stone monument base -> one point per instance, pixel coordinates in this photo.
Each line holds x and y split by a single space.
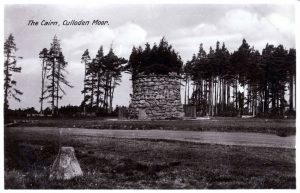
156 97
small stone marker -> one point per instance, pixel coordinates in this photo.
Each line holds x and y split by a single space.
65 166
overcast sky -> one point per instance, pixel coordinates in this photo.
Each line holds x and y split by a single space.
184 26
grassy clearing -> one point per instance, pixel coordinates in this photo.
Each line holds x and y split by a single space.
126 163
279 127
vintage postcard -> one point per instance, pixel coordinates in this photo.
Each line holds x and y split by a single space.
149 96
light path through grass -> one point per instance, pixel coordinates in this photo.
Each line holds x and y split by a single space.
224 138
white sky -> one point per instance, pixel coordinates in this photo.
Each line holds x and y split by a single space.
184 26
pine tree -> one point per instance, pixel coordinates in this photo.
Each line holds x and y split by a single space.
43 55
112 68
85 59
99 63
10 67
241 62
56 76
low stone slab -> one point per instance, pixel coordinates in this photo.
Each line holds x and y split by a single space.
65 166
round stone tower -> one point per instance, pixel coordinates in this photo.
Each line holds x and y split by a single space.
156 97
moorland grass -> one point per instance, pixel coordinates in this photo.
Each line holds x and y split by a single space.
110 163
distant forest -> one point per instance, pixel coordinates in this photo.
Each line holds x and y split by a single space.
245 82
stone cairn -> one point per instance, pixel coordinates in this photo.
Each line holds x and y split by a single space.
156 97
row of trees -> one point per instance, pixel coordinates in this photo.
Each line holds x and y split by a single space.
242 82
102 75
53 74
223 83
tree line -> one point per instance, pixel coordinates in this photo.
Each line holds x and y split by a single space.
102 75
245 82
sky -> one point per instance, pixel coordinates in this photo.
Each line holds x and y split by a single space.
184 26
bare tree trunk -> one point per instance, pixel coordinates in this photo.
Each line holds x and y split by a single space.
228 94
98 90
210 98
110 97
206 98
92 91
188 94
84 88
266 99
220 96
185 89
53 88
200 95
294 81
253 99
194 92
106 93
291 87
248 99
6 84
216 96
43 84
223 95
57 88
236 94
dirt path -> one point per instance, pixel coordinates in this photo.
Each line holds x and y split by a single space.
224 138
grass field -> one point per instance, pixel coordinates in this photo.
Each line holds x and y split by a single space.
110 163
281 127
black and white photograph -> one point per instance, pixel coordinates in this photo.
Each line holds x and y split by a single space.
149 96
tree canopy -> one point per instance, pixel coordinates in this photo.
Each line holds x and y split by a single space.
159 59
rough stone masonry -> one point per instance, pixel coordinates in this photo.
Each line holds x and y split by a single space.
156 97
